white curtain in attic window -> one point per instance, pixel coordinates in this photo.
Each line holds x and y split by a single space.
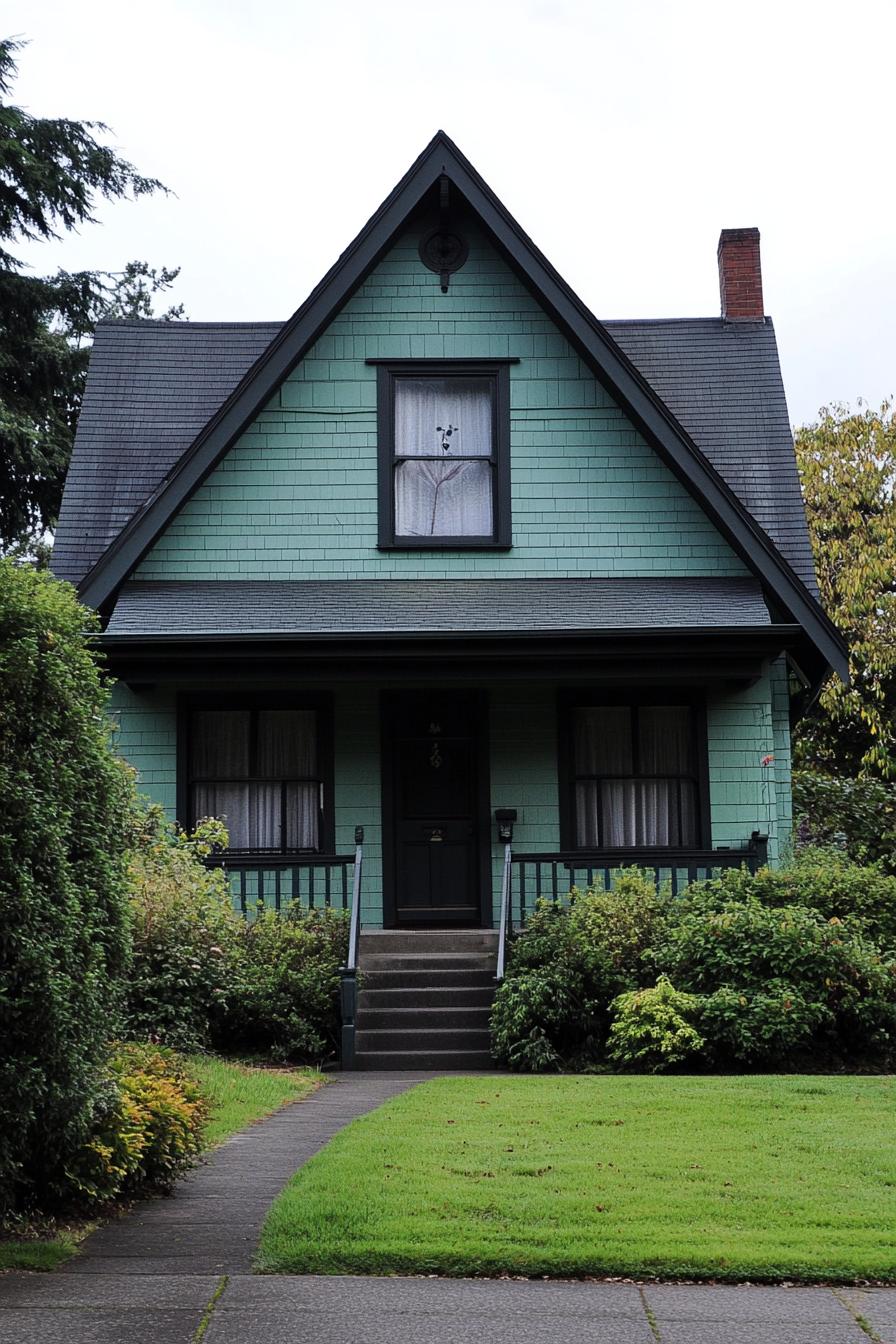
452 495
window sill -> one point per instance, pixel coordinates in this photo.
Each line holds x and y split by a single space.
444 544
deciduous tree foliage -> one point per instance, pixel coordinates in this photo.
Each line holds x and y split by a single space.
52 170
847 462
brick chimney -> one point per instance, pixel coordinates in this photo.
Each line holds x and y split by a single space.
740 275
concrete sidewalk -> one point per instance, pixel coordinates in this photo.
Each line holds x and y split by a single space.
159 1274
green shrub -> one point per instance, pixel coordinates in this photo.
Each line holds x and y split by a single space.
820 879
147 1130
858 816
653 1029
539 1020
566 968
63 910
184 932
285 989
780 981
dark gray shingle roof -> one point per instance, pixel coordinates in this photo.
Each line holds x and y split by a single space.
722 382
153 386
421 606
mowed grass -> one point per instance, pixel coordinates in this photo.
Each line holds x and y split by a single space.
763 1178
243 1093
239 1095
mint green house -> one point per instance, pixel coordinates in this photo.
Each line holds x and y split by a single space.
446 559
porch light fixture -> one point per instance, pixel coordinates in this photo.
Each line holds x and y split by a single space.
505 817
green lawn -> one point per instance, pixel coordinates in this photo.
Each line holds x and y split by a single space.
243 1093
763 1178
239 1094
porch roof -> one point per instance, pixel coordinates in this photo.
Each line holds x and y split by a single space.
307 609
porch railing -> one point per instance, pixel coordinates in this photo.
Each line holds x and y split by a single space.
349 981
529 878
314 881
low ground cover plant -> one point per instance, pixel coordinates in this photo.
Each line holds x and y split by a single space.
786 968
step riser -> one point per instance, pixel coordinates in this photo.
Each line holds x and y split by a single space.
435 996
405 1042
439 943
427 979
426 961
449 1061
410 1020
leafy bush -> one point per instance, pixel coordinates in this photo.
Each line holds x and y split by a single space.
566 968
820 879
286 983
780 980
147 1128
184 932
63 910
857 816
653 1029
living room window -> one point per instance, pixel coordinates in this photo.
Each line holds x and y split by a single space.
260 769
444 462
634 774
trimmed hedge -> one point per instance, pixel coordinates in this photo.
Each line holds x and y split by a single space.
63 910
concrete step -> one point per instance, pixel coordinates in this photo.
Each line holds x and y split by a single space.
426 961
421 977
426 996
422 1061
414 1020
412 1039
376 941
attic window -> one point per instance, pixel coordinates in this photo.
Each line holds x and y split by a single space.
443 456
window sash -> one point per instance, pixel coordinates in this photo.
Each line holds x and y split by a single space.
620 799
267 807
428 504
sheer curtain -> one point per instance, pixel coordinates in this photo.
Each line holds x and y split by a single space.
287 748
253 808
448 419
638 811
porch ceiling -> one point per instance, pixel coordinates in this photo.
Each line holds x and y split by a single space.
358 609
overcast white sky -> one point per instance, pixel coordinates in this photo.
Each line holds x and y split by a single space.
622 134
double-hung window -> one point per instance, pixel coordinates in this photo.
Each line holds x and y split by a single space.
635 774
260 769
443 430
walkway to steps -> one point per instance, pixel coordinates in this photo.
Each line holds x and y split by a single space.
176 1270
425 999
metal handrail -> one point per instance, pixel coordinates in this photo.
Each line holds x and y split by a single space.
354 928
505 912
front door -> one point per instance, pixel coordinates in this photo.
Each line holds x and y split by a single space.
433 803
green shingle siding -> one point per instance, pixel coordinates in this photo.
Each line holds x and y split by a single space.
742 729
296 496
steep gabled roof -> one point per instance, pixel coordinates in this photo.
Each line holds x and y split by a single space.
153 386
599 350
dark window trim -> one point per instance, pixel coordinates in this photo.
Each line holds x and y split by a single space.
581 697
386 373
320 703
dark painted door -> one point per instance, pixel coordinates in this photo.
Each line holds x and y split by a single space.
434 750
